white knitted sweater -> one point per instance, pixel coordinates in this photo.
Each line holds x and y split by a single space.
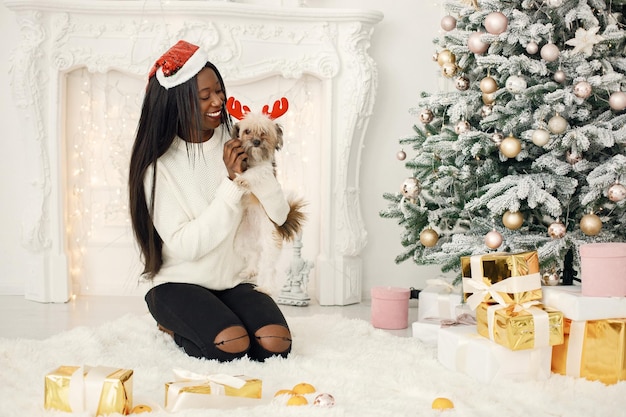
197 211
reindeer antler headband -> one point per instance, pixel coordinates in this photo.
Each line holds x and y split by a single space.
238 111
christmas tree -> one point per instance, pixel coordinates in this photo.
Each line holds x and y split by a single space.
525 150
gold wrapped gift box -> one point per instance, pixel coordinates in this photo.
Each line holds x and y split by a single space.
115 386
514 327
188 394
594 349
497 267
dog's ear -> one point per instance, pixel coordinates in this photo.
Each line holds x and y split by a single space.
279 137
234 134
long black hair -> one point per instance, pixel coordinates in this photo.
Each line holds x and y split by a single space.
165 114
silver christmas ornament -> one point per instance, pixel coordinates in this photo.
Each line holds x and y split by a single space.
461 127
516 84
540 137
496 23
532 48
550 52
555 3
411 188
616 192
426 116
557 124
559 76
324 400
550 278
582 89
462 83
497 138
573 157
486 110
557 230
401 155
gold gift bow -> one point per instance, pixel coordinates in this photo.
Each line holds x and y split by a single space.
477 285
215 381
541 321
85 390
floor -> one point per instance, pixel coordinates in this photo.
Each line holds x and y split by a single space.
21 318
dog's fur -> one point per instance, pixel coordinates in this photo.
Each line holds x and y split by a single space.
258 239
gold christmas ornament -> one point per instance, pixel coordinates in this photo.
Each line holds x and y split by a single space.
590 224
493 239
616 192
449 69
510 146
489 98
445 57
488 85
426 116
557 124
540 137
557 230
429 238
512 220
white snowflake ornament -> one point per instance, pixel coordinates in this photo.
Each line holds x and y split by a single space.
585 40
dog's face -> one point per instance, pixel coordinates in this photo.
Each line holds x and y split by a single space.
261 137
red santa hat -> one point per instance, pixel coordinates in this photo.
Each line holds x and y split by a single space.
179 64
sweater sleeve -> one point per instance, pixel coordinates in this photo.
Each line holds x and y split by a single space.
188 235
264 185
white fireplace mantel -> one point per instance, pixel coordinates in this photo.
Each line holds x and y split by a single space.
246 42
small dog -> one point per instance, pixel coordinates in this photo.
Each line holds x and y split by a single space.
259 240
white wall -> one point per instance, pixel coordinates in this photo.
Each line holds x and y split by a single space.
401 47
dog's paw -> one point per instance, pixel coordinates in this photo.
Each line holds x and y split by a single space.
248 274
242 182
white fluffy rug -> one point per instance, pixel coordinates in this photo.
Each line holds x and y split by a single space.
369 372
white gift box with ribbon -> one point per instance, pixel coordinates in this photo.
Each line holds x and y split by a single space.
428 331
463 350
438 300
575 306
192 390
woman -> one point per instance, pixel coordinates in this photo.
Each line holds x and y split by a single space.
185 210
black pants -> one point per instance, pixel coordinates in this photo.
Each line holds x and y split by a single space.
197 315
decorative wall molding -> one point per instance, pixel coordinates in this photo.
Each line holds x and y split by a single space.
247 42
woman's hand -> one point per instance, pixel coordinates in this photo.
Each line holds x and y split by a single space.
234 158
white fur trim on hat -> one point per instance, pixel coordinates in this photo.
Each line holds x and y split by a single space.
192 66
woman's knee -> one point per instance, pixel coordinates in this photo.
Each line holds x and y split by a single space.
274 338
234 339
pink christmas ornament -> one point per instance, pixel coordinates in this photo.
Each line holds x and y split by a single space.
550 52
448 23
493 239
496 23
475 44
617 101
